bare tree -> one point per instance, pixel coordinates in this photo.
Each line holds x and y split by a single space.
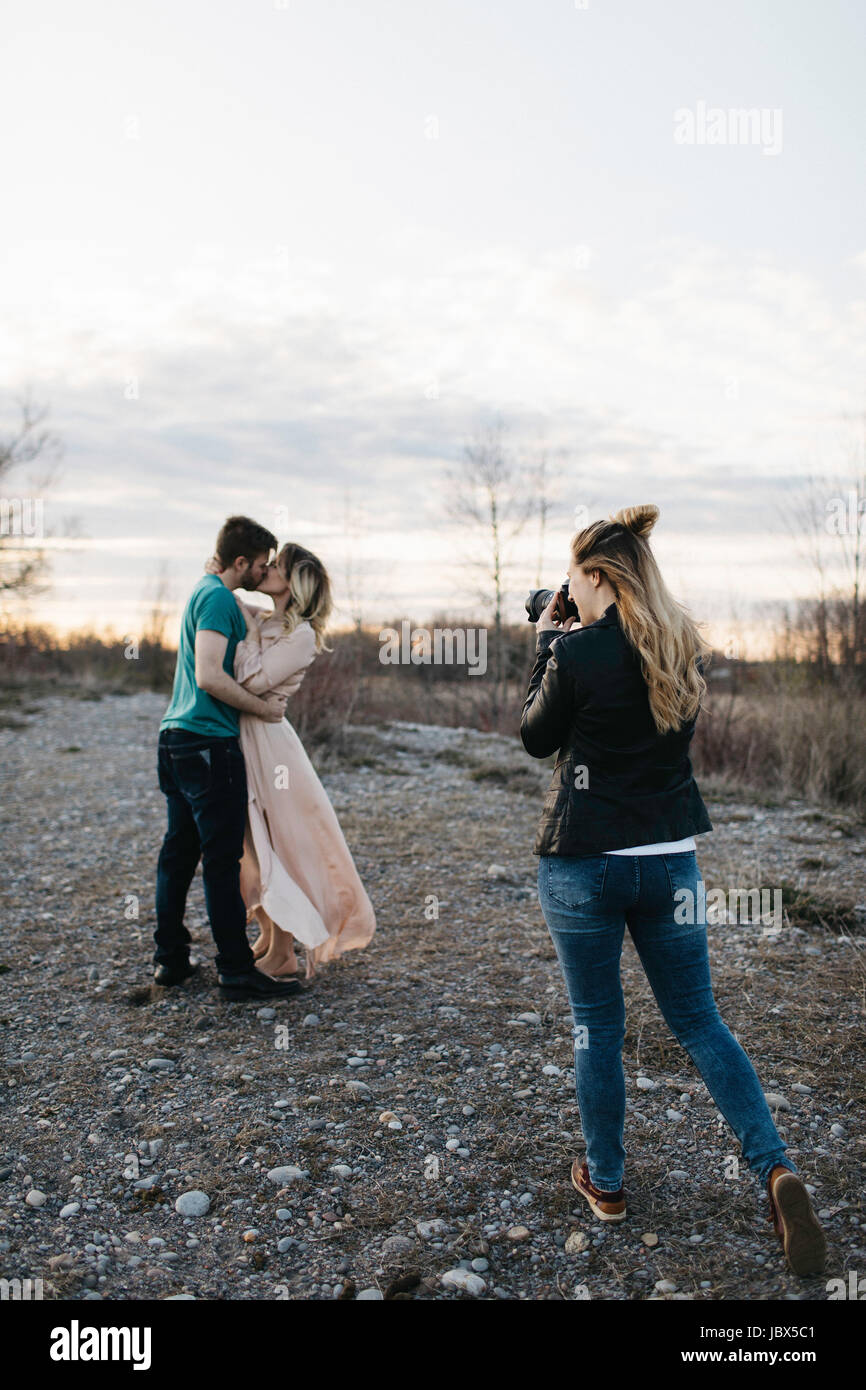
853 540
29 466
355 570
543 504
493 498
801 517
160 597
826 519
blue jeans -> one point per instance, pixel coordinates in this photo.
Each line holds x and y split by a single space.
587 903
205 784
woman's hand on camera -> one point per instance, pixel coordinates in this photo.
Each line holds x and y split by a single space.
549 622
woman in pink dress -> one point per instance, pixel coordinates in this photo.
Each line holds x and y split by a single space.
298 878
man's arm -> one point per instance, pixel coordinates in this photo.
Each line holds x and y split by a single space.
210 650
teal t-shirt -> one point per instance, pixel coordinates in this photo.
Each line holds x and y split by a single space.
211 605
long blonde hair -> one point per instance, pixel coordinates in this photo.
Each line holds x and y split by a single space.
657 626
310 597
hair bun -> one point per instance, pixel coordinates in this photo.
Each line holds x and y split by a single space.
639 520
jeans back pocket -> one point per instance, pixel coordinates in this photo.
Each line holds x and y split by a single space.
573 882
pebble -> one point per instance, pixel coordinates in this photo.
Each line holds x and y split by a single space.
71 1209
518 1233
194 1203
664 1286
645 1084
775 1101
577 1242
678 1175
288 1172
550 1070
463 1279
35 1198
480 1265
285 1244
529 1018
360 1089
266 1013
650 1238
342 1170
160 1064
310 1021
801 1089
428 1229
370 1295
673 1114
838 1131
397 1245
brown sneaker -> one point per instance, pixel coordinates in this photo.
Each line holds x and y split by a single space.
608 1206
795 1222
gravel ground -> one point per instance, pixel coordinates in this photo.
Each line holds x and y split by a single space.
405 1128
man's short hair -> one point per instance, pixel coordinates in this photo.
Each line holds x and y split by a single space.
240 535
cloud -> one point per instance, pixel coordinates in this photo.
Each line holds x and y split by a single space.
253 385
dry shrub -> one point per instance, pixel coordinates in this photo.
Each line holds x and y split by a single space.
788 740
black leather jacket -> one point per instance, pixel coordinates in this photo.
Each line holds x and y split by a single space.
618 782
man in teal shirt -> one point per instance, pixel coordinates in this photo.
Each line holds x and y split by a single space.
202 775
211 607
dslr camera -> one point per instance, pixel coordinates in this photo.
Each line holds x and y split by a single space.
565 606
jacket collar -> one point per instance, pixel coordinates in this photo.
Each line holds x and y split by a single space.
609 618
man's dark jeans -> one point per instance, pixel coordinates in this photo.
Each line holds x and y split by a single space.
205 785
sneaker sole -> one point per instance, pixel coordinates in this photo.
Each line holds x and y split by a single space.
602 1215
803 1241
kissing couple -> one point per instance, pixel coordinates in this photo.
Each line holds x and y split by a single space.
241 794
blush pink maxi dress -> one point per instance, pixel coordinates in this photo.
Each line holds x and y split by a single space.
296 863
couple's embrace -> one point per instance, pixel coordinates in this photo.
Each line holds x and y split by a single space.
241 793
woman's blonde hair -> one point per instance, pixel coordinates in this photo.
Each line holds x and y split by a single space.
657 626
310 597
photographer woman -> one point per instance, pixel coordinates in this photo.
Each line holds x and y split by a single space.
617 695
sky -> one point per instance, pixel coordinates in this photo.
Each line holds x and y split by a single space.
288 258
